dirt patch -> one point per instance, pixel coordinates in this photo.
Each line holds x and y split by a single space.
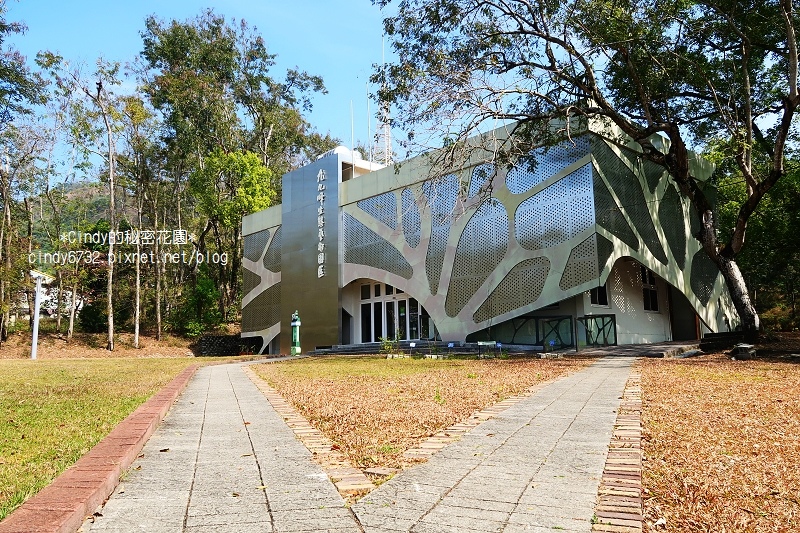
722 440
85 345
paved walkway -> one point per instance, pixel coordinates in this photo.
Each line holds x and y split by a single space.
223 460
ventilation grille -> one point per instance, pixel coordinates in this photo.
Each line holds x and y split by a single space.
482 246
382 207
254 244
531 171
704 275
629 191
522 286
272 259
362 246
673 222
480 176
441 194
581 266
412 224
557 213
263 311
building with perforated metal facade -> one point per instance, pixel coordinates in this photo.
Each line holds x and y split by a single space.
584 243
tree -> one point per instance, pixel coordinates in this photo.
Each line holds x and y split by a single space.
95 125
18 87
769 259
695 72
228 187
226 122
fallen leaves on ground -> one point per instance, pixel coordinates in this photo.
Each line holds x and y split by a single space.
722 444
374 409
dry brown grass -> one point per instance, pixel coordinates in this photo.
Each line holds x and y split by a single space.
374 409
722 444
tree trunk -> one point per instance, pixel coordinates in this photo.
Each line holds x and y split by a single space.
73 306
113 227
137 303
138 295
751 323
59 301
158 279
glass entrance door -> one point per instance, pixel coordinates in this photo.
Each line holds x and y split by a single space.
391 331
389 313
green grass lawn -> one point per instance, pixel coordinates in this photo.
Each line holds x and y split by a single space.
54 411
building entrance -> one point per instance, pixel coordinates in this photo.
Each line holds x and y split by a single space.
389 313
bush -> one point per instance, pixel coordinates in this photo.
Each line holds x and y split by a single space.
93 318
198 312
780 318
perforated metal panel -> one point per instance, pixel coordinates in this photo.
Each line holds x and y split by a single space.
652 174
581 266
362 246
609 215
383 207
482 246
629 191
543 163
604 250
412 223
441 194
255 243
250 280
557 213
670 214
263 311
522 285
272 259
480 176
703 276
694 221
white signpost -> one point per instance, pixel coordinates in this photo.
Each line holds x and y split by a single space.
36 304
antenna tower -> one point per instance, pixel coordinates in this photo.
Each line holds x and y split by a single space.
383 133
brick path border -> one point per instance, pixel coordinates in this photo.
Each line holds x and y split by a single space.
62 506
619 499
349 480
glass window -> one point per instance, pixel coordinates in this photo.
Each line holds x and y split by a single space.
413 318
378 321
649 290
401 320
599 296
390 331
389 289
365 292
366 323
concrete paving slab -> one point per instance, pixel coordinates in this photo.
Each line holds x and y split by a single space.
217 463
536 465
225 460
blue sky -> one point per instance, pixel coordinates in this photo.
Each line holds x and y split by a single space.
338 40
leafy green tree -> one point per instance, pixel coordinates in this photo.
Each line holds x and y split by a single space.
95 123
228 187
770 257
230 130
693 72
19 88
